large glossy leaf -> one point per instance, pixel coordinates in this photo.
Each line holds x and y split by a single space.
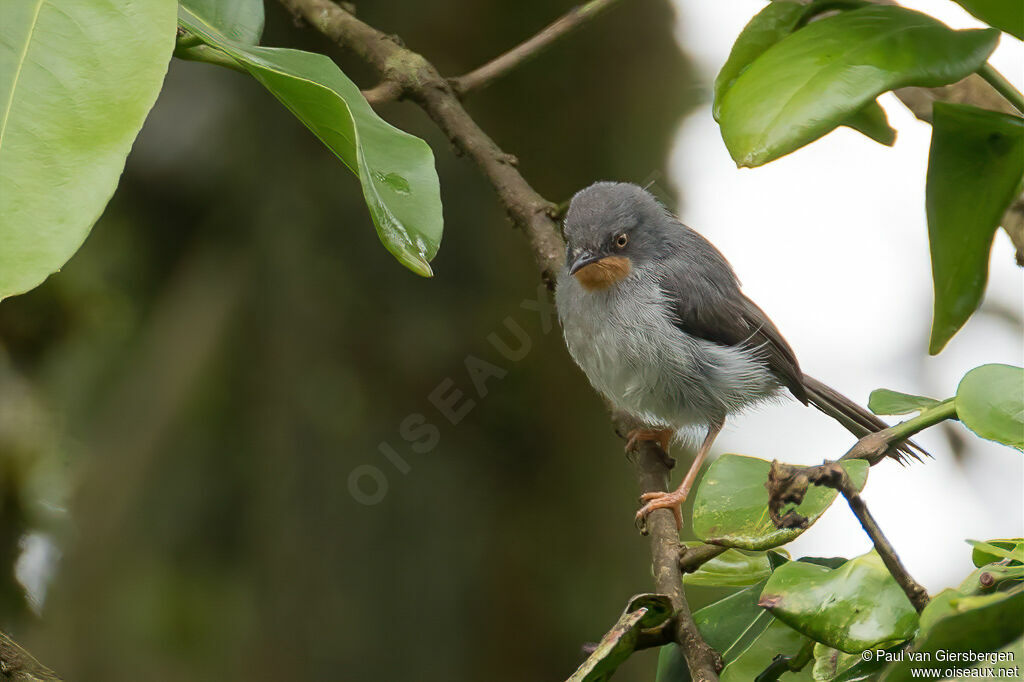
975 167
854 607
829 663
396 169
884 401
643 611
734 568
990 401
777 639
953 622
812 80
769 26
1006 15
240 20
77 79
731 504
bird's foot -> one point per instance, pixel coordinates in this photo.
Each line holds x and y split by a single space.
659 436
661 500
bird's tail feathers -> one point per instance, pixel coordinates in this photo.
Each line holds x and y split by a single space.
854 418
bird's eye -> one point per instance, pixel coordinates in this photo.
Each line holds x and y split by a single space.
622 240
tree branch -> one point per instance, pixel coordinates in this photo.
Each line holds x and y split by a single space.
874 447
692 558
787 483
652 473
501 65
418 80
18 664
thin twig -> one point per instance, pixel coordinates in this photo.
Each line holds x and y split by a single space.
501 65
874 447
787 483
692 558
418 80
652 474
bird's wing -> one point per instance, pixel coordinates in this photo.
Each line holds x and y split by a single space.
716 310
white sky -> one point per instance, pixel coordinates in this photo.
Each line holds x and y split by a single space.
831 241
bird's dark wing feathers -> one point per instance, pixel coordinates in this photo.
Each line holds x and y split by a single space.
722 314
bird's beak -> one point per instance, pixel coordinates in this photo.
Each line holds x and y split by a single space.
584 259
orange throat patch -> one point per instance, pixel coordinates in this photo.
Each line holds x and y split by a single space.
602 274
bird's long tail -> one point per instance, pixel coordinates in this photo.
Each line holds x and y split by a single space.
854 418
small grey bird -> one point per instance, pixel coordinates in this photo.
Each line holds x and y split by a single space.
654 315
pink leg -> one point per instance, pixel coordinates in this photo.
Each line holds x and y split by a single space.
673 500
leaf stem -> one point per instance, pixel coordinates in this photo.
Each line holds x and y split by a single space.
1001 85
875 446
205 53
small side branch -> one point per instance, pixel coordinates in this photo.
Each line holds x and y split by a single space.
788 484
652 474
501 65
874 447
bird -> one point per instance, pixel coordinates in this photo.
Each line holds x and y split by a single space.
653 314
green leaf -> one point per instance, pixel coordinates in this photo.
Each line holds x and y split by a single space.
730 507
777 639
975 167
953 622
643 611
730 624
396 169
731 568
769 26
854 607
884 401
990 402
868 670
811 81
996 550
873 122
829 663
239 20
991 577
672 666
77 79
1006 15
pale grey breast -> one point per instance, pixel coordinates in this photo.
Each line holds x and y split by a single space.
626 343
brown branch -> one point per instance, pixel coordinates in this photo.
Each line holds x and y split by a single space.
501 65
18 664
418 80
692 558
787 483
652 473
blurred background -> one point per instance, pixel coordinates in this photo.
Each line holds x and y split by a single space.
219 458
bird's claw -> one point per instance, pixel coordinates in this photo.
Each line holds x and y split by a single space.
660 500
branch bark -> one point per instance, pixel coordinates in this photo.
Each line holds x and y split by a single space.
652 473
18 664
418 80
501 65
787 483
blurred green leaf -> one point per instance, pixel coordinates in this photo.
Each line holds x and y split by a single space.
240 20
396 169
809 82
731 504
953 622
769 26
777 639
643 611
732 568
996 550
77 79
1006 15
975 167
991 577
854 607
884 401
990 402
672 666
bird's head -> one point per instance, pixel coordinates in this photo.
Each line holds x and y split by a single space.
610 229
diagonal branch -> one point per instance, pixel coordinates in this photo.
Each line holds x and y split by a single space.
499 66
18 664
787 483
418 80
